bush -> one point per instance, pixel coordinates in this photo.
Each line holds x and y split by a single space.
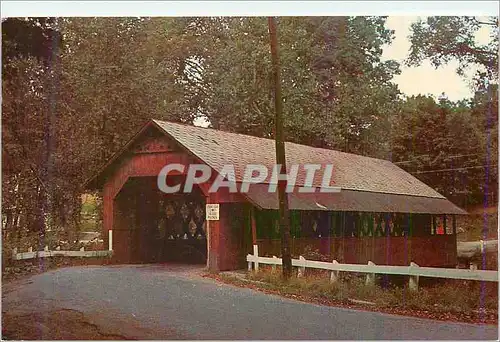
455 296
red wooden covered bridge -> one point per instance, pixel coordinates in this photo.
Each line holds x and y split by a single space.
382 213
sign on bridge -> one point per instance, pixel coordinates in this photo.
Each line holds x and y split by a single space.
212 212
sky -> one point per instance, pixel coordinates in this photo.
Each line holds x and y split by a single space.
425 79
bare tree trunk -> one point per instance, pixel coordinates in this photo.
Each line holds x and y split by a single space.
50 134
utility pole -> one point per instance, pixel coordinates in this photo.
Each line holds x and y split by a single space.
280 153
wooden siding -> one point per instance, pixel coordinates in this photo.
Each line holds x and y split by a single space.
226 238
437 250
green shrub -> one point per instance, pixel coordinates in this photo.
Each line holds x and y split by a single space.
443 296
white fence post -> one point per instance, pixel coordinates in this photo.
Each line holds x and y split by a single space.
370 277
413 281
82 249
46 249
58 248
256 255
30 249
302 268
14 253
334 275
110 239
473 266
273 267
249 265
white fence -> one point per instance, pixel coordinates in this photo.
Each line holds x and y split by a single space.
413 271
46 254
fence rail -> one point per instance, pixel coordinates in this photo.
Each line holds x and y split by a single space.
413 271
47 254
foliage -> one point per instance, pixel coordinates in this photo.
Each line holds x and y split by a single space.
34 37
475 227
336 90
30 193
15 269
443 144
442 39
457 297
69 108
76 89
470 129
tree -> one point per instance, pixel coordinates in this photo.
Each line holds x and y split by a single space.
28 47
62 123
337 92
442 39
25 38
484 107
78 88
443 144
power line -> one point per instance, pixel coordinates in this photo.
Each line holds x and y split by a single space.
426 155
455 169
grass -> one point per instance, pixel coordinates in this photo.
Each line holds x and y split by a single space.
437 296
89 214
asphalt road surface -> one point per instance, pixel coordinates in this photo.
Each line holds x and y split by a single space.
175 302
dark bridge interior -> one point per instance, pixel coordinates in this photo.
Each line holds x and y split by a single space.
153 227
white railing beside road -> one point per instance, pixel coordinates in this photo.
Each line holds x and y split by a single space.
413 271
46 254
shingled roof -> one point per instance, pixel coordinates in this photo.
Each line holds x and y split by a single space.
363 180
351 171
354 174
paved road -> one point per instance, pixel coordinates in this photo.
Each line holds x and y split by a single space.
172 302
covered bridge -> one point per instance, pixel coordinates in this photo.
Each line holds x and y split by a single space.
381 213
